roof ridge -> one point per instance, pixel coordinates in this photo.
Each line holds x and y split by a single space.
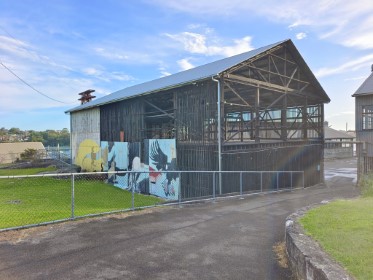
360 88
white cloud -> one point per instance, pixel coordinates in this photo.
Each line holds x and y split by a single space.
196 43
346 67
165 73
109 54
185 64
163 70
106 75
92 71
301 35
348 23
22 50
360 78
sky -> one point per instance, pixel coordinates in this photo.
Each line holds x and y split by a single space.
52 50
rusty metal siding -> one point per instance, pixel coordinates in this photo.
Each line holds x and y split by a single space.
84 125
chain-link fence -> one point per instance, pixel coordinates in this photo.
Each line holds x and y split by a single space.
40 199
63 155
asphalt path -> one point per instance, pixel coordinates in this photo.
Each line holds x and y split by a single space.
231 238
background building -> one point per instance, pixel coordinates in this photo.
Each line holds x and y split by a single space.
364 123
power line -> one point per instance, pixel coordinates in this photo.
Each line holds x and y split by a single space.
30 86
41 59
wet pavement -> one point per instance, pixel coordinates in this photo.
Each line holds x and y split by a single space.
228 239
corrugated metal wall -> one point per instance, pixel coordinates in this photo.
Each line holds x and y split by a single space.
298 156
85 125
126 116
196 134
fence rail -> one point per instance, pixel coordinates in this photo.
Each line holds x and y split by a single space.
60 154
32 200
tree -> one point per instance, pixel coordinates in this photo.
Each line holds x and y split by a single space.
29 154
36 136
3 131
14 130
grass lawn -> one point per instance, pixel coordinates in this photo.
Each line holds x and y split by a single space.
344 229
25 171
34 200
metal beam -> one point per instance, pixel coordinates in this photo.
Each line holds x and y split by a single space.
236 67
237 94
261 83
278 74
291 77
257 115
219 131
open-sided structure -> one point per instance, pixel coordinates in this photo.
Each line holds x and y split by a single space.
259 110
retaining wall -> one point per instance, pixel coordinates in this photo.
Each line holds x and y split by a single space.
306 258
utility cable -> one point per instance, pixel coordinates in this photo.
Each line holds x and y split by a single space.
41 59
30 86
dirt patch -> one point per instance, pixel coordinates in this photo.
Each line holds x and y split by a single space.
280 250
35 234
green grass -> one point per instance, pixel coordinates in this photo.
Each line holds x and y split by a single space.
344 229
25 171
41 199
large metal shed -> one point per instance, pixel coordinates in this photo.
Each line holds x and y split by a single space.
259 110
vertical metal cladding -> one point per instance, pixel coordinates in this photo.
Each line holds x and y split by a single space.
85 139
123 118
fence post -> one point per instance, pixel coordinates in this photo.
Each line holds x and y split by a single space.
133 195
72 196
213 184
179 188
303 178
261 181
277 175
291 180
241 183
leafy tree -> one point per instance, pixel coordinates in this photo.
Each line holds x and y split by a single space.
36 136
3 131
14 130
29 154
49 137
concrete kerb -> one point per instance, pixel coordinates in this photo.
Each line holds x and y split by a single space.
306 258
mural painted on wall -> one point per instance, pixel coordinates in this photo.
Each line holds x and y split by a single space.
162 157
89 156
115 158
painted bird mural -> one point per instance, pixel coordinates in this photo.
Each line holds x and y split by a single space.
160 160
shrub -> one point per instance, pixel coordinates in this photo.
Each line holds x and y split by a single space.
366 186
29 154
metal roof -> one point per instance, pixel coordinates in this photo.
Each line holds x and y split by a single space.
195 74
331 133
366 88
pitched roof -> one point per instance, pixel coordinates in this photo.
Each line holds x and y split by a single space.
9 152
331 133
366 87
195 74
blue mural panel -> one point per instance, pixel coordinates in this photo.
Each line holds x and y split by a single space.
150 176
115 158
162 157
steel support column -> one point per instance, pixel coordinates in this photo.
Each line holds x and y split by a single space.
257 115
